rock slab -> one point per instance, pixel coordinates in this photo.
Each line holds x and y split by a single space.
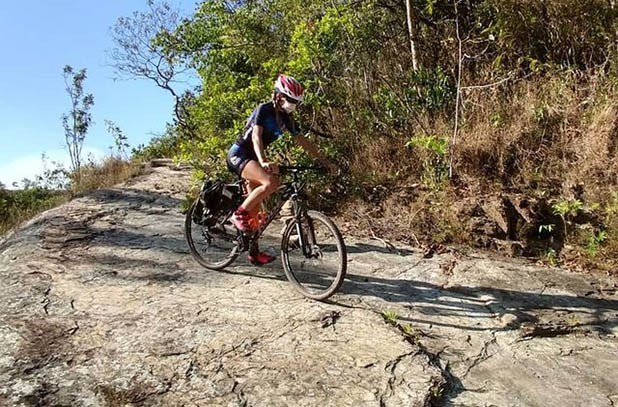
102 305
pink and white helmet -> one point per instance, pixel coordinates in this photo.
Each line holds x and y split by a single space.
290 87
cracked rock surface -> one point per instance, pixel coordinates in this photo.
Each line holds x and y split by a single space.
102 305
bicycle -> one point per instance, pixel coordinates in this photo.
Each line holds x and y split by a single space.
313 252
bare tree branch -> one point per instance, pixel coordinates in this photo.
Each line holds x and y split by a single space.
138 55
489 85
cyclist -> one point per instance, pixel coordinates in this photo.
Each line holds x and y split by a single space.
246 157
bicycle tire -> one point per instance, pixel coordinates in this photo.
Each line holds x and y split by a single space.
303 279
205 259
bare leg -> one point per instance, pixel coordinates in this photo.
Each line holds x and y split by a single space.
266 185
250 187
255 180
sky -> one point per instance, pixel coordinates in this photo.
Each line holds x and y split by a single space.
37 39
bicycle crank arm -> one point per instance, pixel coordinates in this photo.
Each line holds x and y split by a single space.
244 241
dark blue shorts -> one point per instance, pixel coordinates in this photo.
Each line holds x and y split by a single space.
237 158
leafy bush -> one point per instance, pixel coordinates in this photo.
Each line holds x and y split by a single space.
594 242
434 149
537 110
17 206
566 207
163 146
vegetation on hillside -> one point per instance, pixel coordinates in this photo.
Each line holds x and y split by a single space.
433 111
57 184
438 110
16 206
55 187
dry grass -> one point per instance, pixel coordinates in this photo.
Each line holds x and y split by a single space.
556 133
414 217
110 172
19 215
554 137
94 176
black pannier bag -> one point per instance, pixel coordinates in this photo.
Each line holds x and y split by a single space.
216 200
230 197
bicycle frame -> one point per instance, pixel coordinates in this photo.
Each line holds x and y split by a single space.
292 190
299 238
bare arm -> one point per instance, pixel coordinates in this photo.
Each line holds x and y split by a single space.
312 150
258 147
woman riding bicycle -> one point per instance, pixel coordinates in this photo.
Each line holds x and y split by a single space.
246 157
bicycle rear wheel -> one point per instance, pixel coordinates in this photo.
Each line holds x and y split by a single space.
213 247
319 272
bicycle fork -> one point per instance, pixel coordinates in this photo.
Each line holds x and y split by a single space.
306 240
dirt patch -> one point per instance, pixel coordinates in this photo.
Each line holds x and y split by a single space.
136 394
45 342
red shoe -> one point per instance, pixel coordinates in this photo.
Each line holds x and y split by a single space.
260 259
240 219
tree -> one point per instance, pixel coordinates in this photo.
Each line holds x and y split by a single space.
411 32
54 177
140 51
120 140
77 122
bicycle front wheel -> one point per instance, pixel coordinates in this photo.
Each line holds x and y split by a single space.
214 247
318 269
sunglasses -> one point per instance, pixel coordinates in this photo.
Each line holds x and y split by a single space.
290 100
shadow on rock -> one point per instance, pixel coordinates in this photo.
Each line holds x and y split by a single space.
136 240
133 197
477 302
367 248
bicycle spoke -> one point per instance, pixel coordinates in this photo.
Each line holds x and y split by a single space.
319 271
213 247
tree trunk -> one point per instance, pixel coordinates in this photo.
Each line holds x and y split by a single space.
612 4
458 97
411 32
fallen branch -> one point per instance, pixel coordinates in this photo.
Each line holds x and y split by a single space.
386 243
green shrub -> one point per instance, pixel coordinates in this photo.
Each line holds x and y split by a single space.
163 146
594 243
20 205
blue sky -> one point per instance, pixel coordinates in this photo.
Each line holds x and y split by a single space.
37 39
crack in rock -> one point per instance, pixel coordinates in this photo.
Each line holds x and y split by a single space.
481 356
390 367
442 388
446 386
237 389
